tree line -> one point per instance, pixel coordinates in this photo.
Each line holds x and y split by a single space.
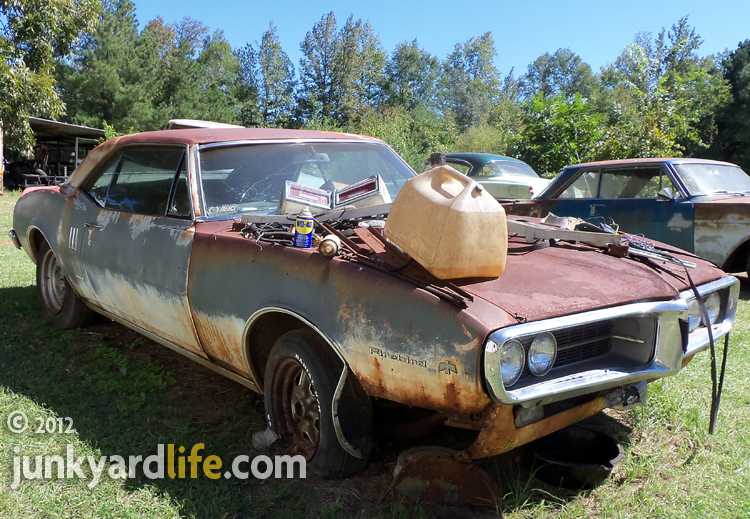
659 97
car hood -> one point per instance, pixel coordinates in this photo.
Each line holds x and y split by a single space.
565 279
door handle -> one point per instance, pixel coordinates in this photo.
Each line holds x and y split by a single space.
93 226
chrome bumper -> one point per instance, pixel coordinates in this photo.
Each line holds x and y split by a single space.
669 348
14 238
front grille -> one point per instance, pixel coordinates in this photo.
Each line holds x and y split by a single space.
593 342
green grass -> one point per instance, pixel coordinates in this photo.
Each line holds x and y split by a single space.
126 395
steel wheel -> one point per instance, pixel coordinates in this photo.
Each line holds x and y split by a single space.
300 381
59 302
299 410
52 284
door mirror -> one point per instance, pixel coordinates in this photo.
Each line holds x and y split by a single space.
665 194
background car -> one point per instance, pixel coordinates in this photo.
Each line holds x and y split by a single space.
502 177
701 206
186 236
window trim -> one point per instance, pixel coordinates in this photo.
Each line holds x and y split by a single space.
96 173
663 166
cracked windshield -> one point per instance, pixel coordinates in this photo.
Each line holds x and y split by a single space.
254 178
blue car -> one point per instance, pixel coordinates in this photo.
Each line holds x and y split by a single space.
701 206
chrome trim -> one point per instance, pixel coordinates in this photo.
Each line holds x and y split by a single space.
698 338
668 348
345 444
14 238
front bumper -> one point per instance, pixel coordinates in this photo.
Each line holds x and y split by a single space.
665 340
14 238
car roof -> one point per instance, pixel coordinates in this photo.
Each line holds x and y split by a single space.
212 135
478 160
655 160
207 136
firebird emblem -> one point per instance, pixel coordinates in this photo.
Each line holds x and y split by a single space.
448 367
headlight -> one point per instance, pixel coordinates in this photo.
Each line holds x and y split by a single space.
542 354
694 315
713 307
512 359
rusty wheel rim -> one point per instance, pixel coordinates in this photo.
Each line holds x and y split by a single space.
52 284
296 407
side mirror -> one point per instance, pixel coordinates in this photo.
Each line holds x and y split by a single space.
665 194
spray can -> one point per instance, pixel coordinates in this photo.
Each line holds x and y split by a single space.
303 229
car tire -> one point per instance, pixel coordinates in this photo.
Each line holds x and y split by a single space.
301 376
61 306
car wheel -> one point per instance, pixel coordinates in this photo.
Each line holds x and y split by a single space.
300 381
61 306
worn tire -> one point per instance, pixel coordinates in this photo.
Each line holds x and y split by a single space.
291 405
61 306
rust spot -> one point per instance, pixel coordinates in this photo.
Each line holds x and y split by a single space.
500 434
446 481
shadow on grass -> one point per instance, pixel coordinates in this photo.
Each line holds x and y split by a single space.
126 395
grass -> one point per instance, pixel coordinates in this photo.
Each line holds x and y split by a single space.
126 395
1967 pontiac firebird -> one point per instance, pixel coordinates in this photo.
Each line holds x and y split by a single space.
184 236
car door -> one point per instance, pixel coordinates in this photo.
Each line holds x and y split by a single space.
629 197
137 238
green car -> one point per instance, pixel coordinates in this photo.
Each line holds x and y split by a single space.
503 177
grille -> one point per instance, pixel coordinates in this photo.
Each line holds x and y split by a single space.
578 343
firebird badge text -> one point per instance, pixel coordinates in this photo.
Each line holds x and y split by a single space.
399 357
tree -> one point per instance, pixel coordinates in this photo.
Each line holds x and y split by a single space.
559 132
104 80
563 72
358 69
734 119
245 90
33 33
276 81
316 68
340 70
470 85
411 77
662 83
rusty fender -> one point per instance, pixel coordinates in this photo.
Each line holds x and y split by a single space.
402 343
499 433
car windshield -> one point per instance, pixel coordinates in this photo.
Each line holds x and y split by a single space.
705 179
252 178
500 168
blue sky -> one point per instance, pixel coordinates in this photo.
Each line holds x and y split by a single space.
522 29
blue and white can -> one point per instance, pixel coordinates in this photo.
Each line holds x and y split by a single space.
303 229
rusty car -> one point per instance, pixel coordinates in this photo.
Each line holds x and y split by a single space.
701 206
186 236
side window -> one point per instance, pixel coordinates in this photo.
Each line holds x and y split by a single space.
585 186
179 206
99 188
143 182
634 183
